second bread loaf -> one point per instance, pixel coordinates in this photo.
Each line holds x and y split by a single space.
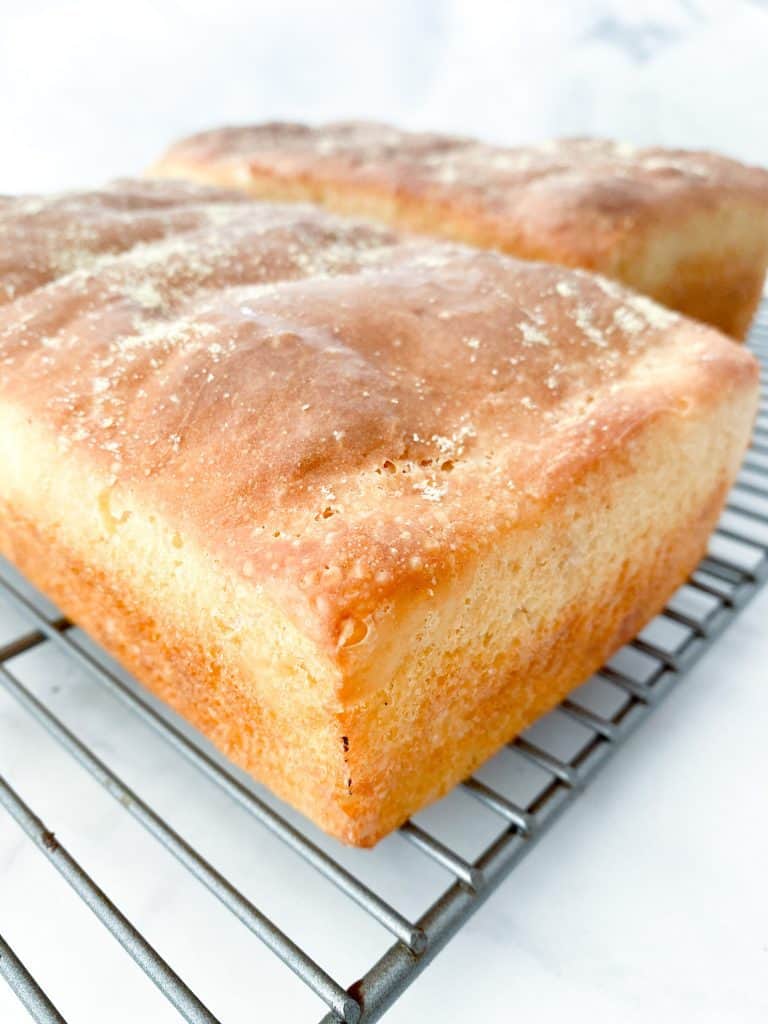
690 229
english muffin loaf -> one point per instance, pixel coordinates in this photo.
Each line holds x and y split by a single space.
360 508
689 229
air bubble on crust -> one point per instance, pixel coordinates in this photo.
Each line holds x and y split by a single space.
109 520
352 632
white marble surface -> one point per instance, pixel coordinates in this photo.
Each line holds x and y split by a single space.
648 900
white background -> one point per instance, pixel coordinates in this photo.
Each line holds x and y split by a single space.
649 901
94 89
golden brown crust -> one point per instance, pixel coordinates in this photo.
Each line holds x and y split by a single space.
285 453
585 203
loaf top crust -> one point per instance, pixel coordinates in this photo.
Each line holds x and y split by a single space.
534 199
338 415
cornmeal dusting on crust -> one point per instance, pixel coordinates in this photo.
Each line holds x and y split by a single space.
473 172
274 376
444 159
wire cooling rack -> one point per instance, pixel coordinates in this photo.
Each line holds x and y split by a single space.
603 712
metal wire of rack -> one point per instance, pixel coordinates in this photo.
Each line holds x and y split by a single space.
735 568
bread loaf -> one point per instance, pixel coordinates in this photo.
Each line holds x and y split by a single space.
689 229
360 508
